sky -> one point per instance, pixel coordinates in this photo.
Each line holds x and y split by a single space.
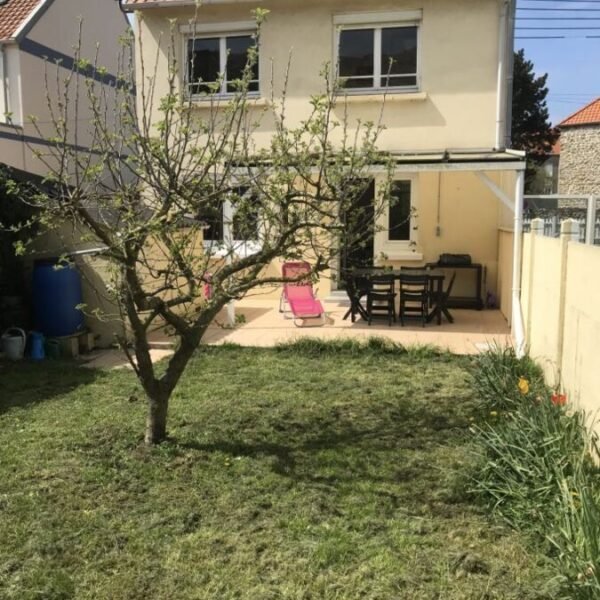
572 64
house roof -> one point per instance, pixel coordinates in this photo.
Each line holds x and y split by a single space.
14 14
588 115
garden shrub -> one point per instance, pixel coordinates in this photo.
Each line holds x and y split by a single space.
537 469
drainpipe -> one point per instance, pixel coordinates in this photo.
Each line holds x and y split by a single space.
501 84
518 327
510 67
3 85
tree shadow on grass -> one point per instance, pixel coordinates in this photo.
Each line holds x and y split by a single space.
381 453
27 383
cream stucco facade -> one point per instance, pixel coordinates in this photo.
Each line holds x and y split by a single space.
458 103
458 96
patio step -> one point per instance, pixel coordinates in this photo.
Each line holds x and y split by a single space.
338 296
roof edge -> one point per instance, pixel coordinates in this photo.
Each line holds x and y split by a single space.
34 16
564 122
580 125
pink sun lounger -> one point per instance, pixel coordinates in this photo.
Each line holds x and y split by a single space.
299 295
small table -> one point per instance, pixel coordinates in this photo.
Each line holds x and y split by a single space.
434 275
473 302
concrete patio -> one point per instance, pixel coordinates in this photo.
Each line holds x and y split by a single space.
471 332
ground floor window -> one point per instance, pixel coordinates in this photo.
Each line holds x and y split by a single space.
241 207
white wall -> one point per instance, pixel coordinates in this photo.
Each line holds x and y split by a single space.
561 293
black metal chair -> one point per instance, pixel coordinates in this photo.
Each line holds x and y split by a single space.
420 270
444 299
414 297
357 288
381 298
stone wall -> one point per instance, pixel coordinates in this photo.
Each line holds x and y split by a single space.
580 160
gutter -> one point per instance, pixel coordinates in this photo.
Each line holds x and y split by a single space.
510 67
3 76
176 3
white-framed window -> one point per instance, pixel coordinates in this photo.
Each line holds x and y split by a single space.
216 56
397 234
236 217
378 51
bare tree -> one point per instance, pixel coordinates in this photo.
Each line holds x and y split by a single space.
182 198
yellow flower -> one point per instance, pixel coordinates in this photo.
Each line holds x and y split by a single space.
493 414
523 386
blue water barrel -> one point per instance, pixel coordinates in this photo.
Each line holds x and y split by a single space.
56 294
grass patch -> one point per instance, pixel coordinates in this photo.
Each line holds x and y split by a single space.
310 347
291 474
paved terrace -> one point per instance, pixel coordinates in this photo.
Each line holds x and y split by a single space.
471 332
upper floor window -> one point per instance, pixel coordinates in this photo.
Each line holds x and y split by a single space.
216 63
378 55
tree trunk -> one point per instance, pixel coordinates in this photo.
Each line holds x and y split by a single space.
156 422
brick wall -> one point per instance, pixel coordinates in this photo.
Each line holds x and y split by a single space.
580 160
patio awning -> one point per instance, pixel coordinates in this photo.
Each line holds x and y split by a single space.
461 160
481 162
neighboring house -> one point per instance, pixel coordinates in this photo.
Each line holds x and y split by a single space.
579 172
34 33
38 41
447 109
545 180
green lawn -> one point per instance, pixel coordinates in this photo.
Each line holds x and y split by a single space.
333 476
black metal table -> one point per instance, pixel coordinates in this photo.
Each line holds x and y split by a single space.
435 276
473 302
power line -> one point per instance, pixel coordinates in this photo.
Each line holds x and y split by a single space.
570 10
567 2
557 37
549 9
558 18
557 28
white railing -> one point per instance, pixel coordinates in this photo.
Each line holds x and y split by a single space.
555 209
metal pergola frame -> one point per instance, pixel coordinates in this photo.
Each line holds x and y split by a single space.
482 162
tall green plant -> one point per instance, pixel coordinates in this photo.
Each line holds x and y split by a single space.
538 467
496 377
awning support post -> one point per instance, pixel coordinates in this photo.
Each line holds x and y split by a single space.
518 327
590 224
228 243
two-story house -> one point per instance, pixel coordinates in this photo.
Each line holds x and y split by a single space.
446 69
